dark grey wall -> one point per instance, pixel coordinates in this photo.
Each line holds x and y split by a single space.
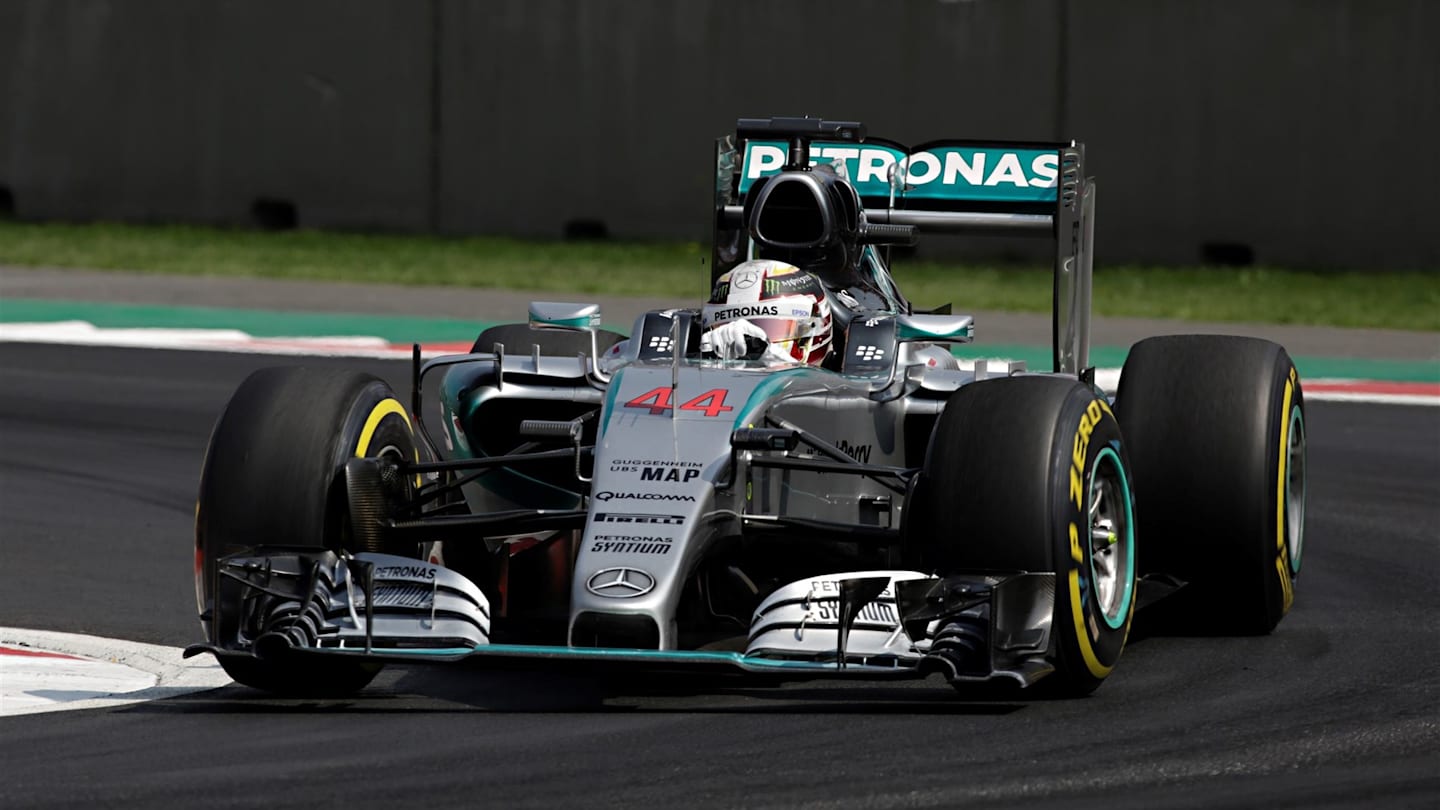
189 110
1304 129
654 81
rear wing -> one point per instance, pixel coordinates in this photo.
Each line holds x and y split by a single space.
947 186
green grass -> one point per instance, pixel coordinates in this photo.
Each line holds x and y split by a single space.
1395 300
1255 294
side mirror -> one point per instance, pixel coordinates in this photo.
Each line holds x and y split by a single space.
572 318
938 328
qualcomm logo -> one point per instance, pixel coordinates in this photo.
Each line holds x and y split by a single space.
607 495
867 352
620 583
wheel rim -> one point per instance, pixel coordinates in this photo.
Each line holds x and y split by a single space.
1112 538
1295 490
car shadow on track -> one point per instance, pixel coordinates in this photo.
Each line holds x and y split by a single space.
454 690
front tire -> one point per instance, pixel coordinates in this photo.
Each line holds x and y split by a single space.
1029 474
274 475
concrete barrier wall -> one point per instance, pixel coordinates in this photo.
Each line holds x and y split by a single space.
191 110
609 110
1300 130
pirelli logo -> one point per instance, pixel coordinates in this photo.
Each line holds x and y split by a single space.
627 517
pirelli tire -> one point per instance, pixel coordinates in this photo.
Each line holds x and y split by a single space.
1216 430
1030 474
274 474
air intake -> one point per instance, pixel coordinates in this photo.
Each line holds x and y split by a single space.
791 212
625 631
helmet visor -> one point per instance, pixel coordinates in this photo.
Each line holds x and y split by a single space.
781 330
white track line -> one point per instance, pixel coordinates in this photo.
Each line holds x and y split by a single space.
122 672
82 333
1375 399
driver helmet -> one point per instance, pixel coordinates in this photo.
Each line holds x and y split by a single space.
787 303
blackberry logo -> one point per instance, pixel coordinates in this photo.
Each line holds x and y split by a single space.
859 452
866 352
660 344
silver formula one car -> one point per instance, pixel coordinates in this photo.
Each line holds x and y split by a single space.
889 513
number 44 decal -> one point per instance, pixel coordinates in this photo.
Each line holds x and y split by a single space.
659 400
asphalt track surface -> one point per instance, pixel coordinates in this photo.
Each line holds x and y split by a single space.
102 449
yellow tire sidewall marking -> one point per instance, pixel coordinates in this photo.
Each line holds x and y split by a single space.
1282 555
382 409
1089 420
1082 635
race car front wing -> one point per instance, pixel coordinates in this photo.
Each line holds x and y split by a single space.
286 601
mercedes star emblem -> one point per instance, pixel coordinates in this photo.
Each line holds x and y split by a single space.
620 583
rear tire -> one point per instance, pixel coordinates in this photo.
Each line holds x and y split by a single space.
1216 430
1029 474
273 475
